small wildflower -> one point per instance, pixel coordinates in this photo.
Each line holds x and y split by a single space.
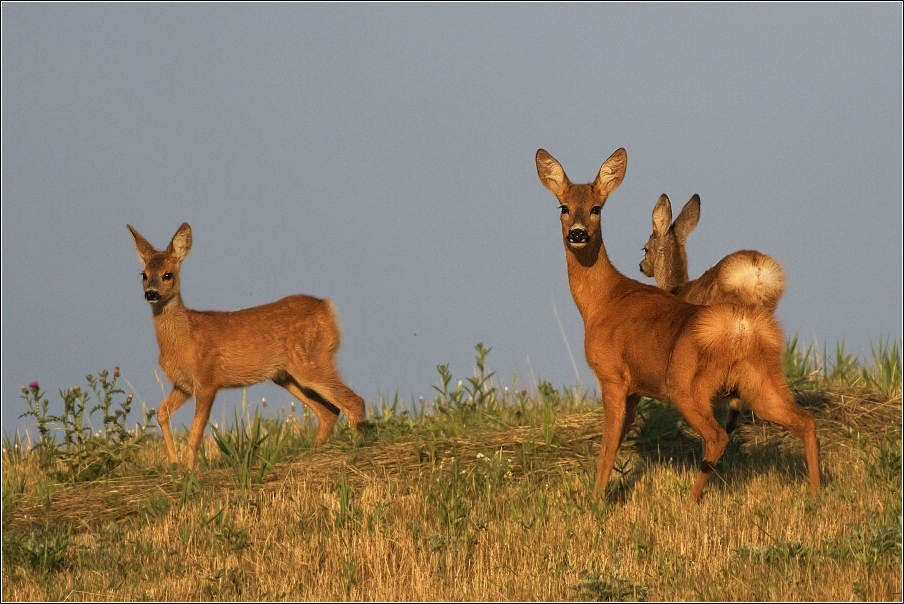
116 371
34 386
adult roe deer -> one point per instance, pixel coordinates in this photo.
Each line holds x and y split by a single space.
642 341
292 342
743 277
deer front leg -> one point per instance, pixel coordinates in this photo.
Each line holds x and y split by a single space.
203 406
169 405
615 413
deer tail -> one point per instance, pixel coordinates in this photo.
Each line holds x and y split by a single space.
332 337
754 278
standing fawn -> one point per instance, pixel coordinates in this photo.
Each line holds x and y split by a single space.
292 342
642 341
743 277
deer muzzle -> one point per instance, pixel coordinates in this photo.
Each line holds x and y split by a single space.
152 295
578 236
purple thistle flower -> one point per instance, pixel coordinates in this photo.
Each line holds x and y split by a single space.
34 386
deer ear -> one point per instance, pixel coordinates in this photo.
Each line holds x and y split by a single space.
142 246
551 173
662 215
688 218
181 243
612 172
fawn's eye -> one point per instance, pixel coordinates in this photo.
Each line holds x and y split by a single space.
596 209
144 276
564 209
167 276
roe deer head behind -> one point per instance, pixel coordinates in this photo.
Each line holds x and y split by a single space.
642 341
292 342
743 277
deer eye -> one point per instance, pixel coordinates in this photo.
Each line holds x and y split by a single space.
564 209
144 276
596 209
167 276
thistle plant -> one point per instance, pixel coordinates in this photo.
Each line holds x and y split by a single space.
82 454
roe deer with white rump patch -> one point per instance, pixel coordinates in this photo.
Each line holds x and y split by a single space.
743 277
292 342
642 341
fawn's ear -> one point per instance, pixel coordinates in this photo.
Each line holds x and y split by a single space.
688 218
144 249
551 173
612 173
662 215
180 246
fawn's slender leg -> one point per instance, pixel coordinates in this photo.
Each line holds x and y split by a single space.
615 414
169 405
203 406
776 404
334 390
714 436
326 413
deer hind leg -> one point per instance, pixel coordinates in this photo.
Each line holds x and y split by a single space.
618 413
317 371
326 413
166 409
773 402
334 391
203 405
695 404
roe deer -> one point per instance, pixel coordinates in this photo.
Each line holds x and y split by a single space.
743 277
292 342
643 341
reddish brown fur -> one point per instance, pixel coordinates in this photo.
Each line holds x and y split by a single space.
642 341
743 277
292 342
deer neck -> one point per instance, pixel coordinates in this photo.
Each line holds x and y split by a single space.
591 276
170 322
672 270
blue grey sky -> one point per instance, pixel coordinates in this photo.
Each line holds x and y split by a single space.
382 156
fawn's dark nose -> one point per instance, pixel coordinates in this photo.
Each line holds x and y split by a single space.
151 295
578 236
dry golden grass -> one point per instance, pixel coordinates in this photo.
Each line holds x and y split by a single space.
497 515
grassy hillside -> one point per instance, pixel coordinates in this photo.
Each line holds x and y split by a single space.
482 493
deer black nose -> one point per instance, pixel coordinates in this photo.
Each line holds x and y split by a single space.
151 295
578 236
